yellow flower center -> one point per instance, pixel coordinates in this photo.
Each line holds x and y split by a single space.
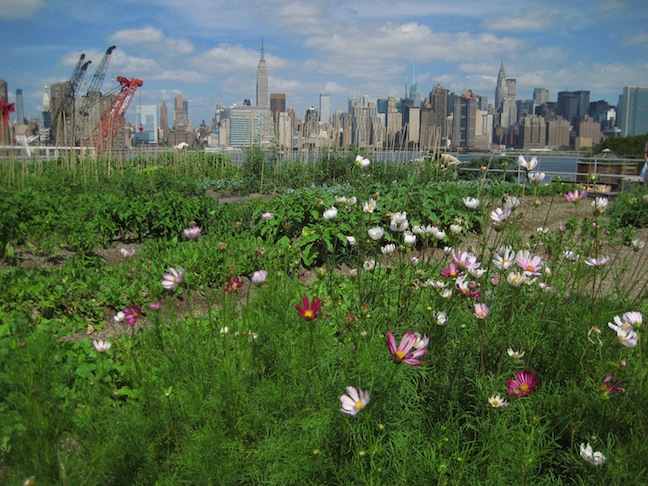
400 355
309 314
524 387
529 268
496 403
358 405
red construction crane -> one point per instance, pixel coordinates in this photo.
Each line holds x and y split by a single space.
113 118
6 109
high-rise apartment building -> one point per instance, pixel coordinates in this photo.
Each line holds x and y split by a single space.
439 103
262 90
180 114
558 133
632 112
393 120
325 108
146 118
464 120
532 133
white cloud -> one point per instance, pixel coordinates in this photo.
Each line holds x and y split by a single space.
520 23
19 9
638 38
152 39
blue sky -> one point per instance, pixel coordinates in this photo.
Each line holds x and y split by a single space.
208 50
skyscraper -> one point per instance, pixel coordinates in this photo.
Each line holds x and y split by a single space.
146 117
325 108
572 105
180 116
262 91
500 89
540 96
633 111
164 121
20 107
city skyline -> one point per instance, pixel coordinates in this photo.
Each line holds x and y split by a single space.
209 51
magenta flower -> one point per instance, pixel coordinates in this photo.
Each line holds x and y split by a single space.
309 310
402 353
481 311
192 232
132 314
233 285
172 279
467 289
574 196
451 271
523 383
606 389
354 401
155 305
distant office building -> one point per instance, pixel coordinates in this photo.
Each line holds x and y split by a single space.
164 123
20 108
180 115
413 127
525 108
572 105
439 104
540 96
532 133
505 98
277 105
558 132
589 128
366 125
393 120
262 90
500 89
464 120
248 126
632 111
325 108
483 129
146 118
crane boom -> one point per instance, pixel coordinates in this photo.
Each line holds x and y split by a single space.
6 109
97 80
64 113
113 118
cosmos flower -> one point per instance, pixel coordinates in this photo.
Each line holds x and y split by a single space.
615 387
471 202
376 233
267 215
588 455
173 278
638 245
530 165
330 213
101 346
523 383
409 238
402 353
441 317
634 318
599 204
421 341
132 314
127 253
233 285
388 249
192 232
451 271
155 305
574 196
369 206
529 265
504 258
361 161
536 177
119 316
465 260
259 276
351 240
496 401
399 222
481 311
501 215
514 354
309 310
455 229
369 265
597 262
354 400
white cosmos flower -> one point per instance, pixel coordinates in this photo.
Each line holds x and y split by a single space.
101 346
352 201
516 279
530 165
500 215
362 161
638 245
441 317
351 240
471 202
409 238
504 258
497 401
599 204
369 206
399 222
514 354
512 201
330 213
536 176
597 262
120 316
341 199
369 265
376 233
588 455
455 229
388 249
446 293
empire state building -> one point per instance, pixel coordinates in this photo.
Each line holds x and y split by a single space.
262 91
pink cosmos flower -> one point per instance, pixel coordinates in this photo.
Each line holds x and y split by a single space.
614 387
155 305
192 232
481 311
172 279
259 276
628 337
267 215
466 260
354 401
530 265
452 271
523 383
233 285
132 314
597 262
574 196
309 310
402 353
634 318
500 215
466 288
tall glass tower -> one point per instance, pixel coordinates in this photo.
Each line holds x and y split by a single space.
262 91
